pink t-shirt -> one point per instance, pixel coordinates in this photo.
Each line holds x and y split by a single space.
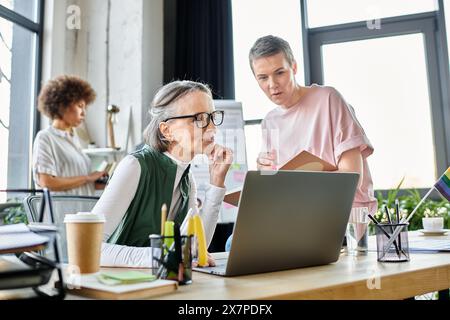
323 124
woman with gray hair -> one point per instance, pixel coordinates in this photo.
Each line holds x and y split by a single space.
182 125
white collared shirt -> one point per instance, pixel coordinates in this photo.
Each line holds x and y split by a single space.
58 153
118 195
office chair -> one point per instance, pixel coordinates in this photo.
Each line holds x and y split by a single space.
62 205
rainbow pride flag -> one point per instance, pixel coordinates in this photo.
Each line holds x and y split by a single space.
443 185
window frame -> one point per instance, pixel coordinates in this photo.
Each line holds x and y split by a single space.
38 29
437 60
432 25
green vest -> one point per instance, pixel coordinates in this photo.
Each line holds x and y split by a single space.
156 184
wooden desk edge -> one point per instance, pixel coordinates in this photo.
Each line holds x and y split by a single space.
403 286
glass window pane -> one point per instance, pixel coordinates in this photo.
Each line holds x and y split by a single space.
264 22
391 100
26 8
330 12
447 21
17 92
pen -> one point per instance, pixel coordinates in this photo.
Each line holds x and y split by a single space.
384 231
397 213
387 213
177 239
178 254
397 210
192 240
392 230
377 223
373 220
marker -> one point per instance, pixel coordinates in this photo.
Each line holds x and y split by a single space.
201 242
163 218
169 233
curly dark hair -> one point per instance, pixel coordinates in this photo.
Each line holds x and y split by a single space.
61 93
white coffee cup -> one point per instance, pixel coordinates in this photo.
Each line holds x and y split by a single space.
84 232
433 224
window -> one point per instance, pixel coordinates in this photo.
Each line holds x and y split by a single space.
332 12
252 20
446 8
402 108
19 71
397 116
25 8
394 78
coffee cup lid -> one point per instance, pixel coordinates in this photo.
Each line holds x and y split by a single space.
84 217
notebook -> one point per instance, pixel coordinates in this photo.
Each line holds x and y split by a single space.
305 161
89 286
15 274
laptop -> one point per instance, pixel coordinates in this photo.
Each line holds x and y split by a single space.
288 220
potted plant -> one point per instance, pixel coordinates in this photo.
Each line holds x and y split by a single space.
12 212
407 203
429 209
389 201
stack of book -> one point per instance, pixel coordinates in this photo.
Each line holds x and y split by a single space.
17 273
19 238
119 285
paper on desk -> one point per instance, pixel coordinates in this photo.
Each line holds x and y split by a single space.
14 228
21 240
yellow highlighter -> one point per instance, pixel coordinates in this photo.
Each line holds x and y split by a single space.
168 232
191 227
201 241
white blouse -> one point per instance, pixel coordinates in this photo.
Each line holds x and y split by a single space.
58 153
118 195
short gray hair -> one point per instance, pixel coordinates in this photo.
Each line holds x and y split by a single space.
163 107
268 46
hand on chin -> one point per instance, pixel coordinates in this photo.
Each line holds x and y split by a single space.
208 147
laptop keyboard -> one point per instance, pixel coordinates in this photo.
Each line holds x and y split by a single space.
219 269
221 263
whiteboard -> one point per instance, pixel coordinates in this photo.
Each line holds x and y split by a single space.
230 134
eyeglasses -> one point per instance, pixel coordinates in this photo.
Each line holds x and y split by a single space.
203 119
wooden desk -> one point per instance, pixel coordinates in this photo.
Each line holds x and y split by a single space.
349 278
346 279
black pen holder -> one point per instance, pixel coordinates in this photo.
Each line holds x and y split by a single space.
166 261
398 251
